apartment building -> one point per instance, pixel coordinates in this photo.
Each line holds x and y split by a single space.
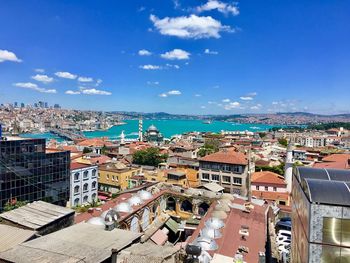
227 168
83 184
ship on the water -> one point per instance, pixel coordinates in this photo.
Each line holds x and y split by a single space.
207 121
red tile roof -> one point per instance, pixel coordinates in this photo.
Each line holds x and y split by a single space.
337 161
268 178
229 157
95 142
231 240
75 165
273 196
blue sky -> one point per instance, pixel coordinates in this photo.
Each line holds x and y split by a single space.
193 57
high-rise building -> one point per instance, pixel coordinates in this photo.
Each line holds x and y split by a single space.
28 172
56 106
320 215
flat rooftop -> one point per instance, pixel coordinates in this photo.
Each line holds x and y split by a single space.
36 215
78 243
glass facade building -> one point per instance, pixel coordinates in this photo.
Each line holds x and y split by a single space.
320 215
29 173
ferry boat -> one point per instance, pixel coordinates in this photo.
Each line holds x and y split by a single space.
207 121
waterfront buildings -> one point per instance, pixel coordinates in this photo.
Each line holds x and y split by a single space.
320 215
227 168
83 184
28 172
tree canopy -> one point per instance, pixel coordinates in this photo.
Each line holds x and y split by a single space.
149 156
210 146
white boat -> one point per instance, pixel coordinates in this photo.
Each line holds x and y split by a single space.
207 121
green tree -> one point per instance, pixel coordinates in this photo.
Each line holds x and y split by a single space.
279 169
150 156
210 146
87 150
104 149
283 142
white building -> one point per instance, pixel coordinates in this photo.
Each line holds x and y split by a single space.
83 183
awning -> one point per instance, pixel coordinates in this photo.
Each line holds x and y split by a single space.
214 187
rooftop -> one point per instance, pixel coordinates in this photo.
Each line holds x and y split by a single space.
72 244
75 165
229 157
325 186
231 240
36 215
11 236
267 177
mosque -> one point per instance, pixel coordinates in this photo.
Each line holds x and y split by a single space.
153 135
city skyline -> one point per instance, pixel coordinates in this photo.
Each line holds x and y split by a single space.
195 57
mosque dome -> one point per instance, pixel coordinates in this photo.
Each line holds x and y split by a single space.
152 128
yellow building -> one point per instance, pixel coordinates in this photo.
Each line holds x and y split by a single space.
114 177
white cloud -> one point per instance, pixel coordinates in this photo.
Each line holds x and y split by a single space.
72 92
252 94
220 6
85 79
226 100
256 107
232 105
6 55
192 26
98 82
33 86
39 70
65 75
172 66
246 98
174 92
42 78
275 103
150 67
152 82
210 52
163 95
178 54
144 52
94 91
197 95
203 107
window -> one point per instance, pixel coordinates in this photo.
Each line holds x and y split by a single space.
266 188
237 180
275 189
226 179
86 175
76 189
257 187
107 176
205 177
76 176
215 177
94 185
237 169
93 197
85 199
76 201
94 173
85 187
112 177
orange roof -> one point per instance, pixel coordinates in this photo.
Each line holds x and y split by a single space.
337 161
270 195
229 157
95 142
75 165
267 177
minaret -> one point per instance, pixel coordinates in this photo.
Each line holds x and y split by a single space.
140 129
122 138
288 167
